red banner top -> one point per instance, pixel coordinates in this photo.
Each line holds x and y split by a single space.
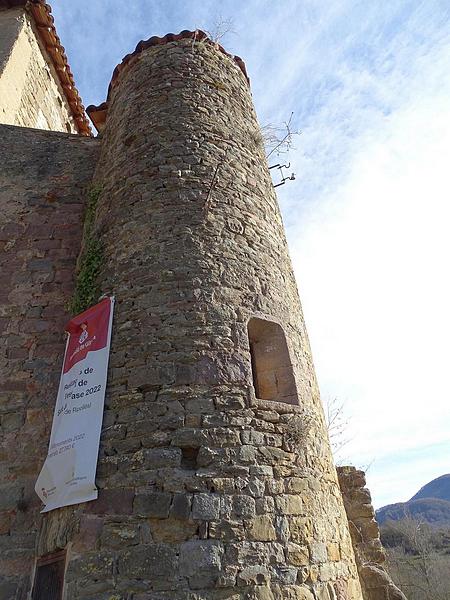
87 332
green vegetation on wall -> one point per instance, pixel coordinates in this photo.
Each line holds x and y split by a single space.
87 289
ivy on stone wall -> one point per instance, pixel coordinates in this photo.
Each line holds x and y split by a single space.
87 289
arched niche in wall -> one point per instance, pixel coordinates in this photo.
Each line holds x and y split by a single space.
273 376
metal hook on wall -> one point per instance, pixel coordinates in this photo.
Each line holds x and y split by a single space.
284 177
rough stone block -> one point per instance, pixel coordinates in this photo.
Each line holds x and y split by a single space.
96 565
201 562
10 495
181 506
301 529
298 555
286 575
259 592
151 561
258 575
153 504
318 552
190 438
172 530
227 530
297 592
289 504
296 485
244 507
88 535
333 551
117 535
157 458
206 507
112 502
261 529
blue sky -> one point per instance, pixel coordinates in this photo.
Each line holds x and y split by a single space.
367 217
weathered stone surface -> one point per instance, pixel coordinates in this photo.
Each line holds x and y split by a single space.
289 504
173 530
116 536
98 565
206 507
31 94
206 492
112 501
318 552
296 592
261 529
153 504
201 562
181 506
298 555
155 562
44 179
257 575
155 458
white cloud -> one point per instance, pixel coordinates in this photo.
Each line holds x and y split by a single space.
371 253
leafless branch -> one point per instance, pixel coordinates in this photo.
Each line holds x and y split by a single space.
221 27
279 139
337 423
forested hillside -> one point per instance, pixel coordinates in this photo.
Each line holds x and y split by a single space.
416 536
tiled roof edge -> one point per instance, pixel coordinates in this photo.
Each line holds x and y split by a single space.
41 13
98 113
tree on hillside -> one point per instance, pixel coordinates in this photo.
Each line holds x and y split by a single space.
418 558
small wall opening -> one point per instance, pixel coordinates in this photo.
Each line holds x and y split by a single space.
49 577
273 376
189 458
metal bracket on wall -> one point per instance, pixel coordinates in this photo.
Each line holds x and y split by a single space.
283 177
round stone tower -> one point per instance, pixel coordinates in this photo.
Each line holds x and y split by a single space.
215 473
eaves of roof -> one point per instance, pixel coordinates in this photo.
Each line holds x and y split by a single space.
41 13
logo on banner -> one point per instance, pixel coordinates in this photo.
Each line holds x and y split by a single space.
85 334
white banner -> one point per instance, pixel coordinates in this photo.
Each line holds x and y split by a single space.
68 474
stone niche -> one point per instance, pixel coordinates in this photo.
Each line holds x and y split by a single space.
273 377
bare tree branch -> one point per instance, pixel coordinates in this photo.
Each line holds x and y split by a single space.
337 423
221 27
278 139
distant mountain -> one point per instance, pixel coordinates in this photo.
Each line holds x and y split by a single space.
430 504
438 488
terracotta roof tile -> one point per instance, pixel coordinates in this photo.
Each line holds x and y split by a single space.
42 16
98 113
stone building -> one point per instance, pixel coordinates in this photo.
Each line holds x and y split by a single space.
215 474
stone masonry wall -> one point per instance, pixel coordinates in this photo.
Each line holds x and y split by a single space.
30 92
10 26
43 179
205 491
369 553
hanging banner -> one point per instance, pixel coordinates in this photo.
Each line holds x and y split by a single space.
68 474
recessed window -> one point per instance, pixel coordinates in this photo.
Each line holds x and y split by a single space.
49 578
273 377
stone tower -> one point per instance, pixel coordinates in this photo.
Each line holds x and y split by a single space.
215 470
215 474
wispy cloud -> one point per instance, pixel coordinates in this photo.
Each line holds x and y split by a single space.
367 217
